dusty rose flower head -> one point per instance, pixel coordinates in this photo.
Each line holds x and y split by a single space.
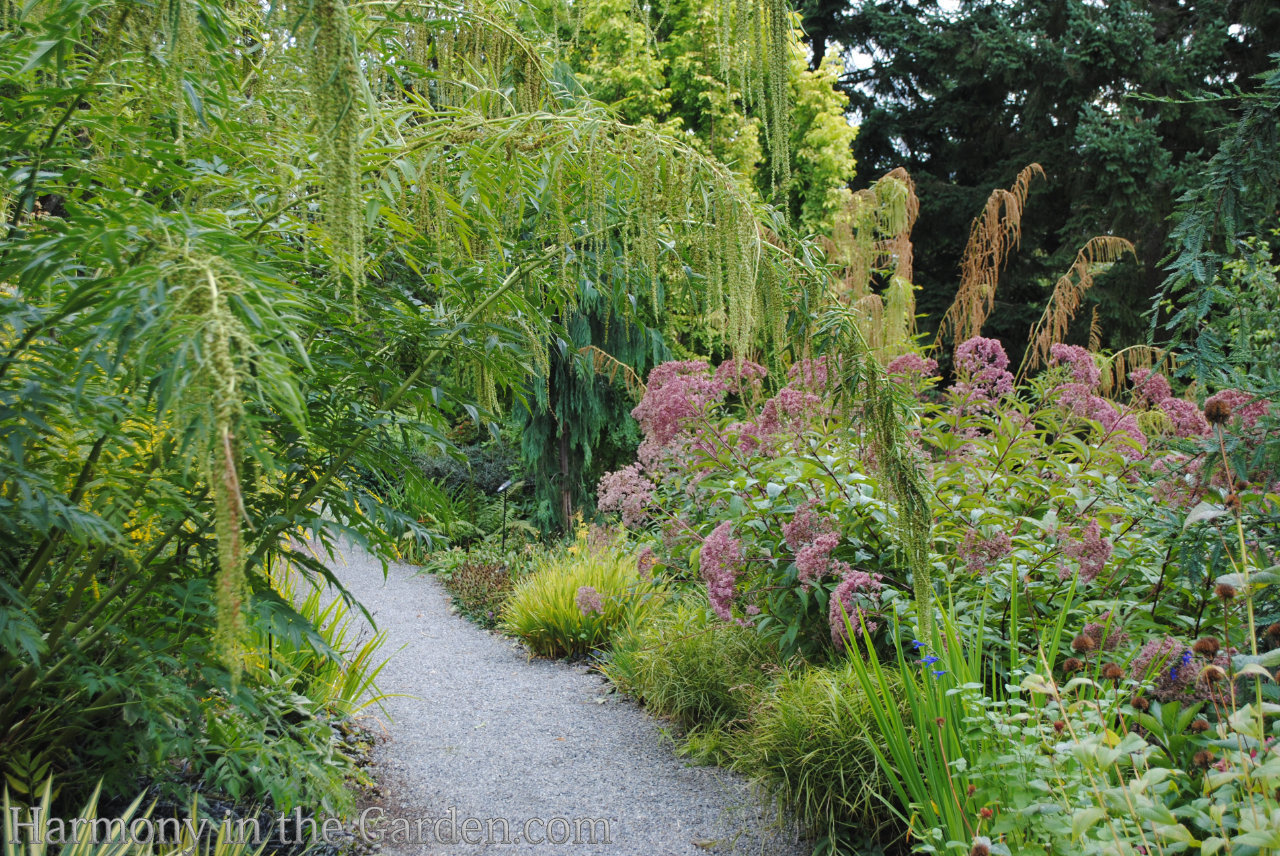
645 560
741 375
1091 550
1150 387
1187 419
813 375
1084 370
805 525
720 563
912 364
814 559
628 492
981 553
1114 639
589 601
677 394
853 584
981 364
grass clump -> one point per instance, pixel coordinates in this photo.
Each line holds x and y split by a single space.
808 744
686 664
575 600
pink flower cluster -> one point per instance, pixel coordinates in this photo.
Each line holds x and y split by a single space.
645 560
677 394
589 601
1081 401
1153 389
813 375
1084 370
852 585
814 559
1176 673
1102 639
741 375
981 364
912 364
1091 550
721 562
1243 406
626 491
981 553
804 526
1150 387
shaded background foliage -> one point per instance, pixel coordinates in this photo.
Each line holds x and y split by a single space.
964 96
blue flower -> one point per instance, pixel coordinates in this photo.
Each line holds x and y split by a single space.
917 644
1173 673
930 660
939 674
1186 658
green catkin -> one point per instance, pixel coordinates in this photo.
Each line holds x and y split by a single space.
336 86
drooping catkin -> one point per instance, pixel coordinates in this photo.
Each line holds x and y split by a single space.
336 87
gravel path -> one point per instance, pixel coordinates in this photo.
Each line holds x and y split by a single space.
482 731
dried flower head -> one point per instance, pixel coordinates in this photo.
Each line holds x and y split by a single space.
1199 726
981 846
1203 758
1083 644
1232 503
1217 411
1226 591
1273 632
1060 726
1212 674
1112 671
1139 703
1207 646
1072 665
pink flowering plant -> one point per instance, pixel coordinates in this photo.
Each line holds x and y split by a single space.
1052 503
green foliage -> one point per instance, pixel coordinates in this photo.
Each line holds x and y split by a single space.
684 663
550 612
337 665
684 67
116 839
810 744
206 207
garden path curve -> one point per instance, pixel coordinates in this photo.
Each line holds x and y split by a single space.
484 731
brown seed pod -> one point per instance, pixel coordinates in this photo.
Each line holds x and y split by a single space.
1060 726
1232 502
1083 644
1200 726
1112 672
1213 674
1217 411
1226 591
1071 665
1273 632
1203 758
980 849
1207 646
1140 703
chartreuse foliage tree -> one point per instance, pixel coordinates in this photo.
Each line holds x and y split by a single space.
207 329
693 71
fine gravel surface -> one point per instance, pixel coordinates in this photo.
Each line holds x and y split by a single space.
482 736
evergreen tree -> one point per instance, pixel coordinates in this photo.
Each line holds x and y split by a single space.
964 96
